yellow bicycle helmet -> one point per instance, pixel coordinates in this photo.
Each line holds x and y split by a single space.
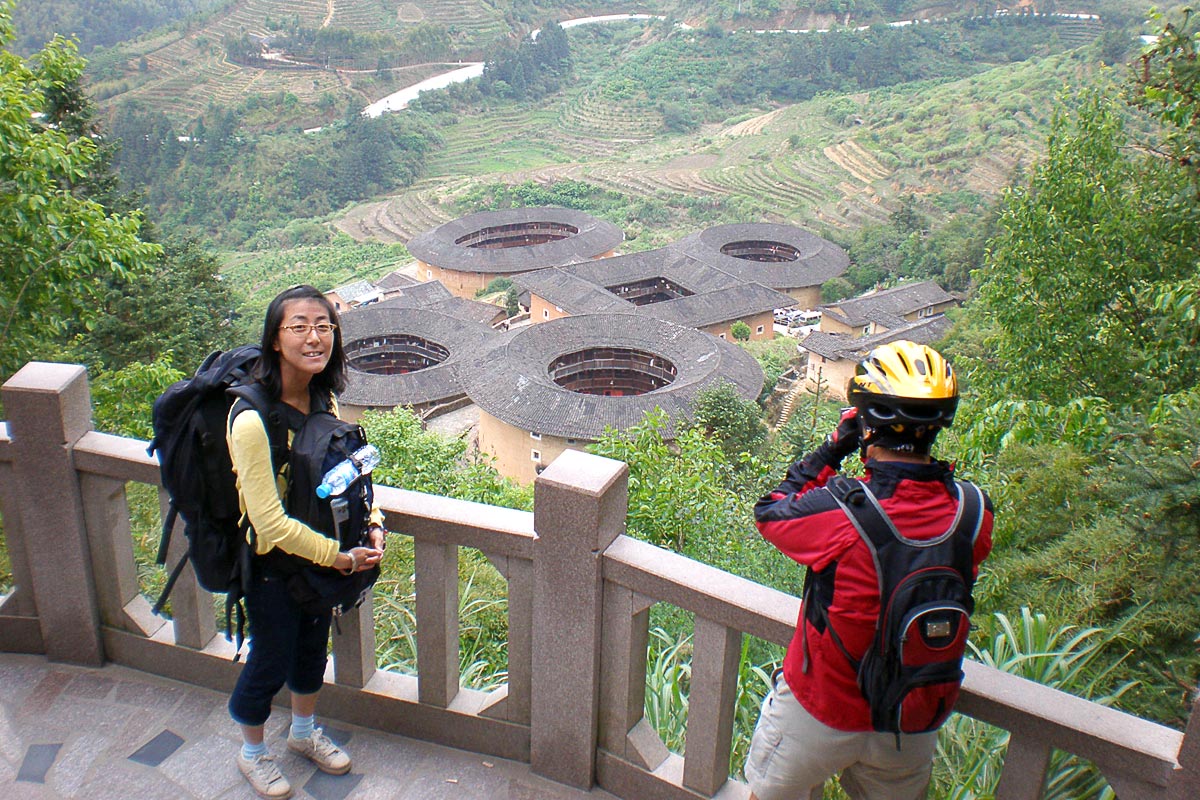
905 393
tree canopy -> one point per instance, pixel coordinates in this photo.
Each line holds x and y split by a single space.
57 246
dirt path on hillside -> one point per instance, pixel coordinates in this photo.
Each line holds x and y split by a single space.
752 126
328 13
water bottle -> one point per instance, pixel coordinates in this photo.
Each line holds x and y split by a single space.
345 473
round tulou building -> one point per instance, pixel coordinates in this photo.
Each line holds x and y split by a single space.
781 257
406 357
468 253
559 385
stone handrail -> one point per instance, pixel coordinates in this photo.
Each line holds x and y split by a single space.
579 594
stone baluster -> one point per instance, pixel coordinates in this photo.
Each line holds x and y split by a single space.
437 622
20 600
715 655
1025 765
354 646
624 730
578 510
191 607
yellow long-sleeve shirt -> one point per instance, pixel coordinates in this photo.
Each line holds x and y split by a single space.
261 493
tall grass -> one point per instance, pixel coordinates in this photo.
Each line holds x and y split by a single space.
668 685
482 648
971 753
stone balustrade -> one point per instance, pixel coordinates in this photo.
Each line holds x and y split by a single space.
579 594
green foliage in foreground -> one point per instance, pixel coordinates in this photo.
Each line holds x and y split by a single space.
428 462
58 247
1084 287
971 753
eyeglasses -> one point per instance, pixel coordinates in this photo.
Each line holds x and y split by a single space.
322 329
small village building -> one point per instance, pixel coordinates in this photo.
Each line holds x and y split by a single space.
543 389
889 309
353 295
833 357
468 253
785 258
393 283
664 284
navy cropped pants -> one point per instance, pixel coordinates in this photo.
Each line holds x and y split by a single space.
287 646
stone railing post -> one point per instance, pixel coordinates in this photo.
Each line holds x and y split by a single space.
1186 782
49 409
578 510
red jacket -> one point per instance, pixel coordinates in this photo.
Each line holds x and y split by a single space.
806 523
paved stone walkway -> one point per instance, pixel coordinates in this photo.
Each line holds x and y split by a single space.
119 734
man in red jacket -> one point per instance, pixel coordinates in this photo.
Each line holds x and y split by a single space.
816 722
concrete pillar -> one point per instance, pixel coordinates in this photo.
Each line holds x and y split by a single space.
49 410
579 508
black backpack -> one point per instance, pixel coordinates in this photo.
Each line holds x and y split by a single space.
321 441
190 420
912 672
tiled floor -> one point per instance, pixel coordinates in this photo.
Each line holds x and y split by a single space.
118 734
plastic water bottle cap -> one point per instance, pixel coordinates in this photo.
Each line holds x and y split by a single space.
324 490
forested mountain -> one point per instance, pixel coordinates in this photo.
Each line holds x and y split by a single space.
99 23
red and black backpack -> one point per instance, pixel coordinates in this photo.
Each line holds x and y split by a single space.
912 672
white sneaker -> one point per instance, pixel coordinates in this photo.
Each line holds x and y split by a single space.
320 749
264 776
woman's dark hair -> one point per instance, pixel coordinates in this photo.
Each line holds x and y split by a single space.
332 379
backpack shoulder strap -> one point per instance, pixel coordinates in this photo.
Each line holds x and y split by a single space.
970 509
864 512
253 395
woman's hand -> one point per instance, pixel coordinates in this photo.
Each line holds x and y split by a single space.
377 537
356 559
365 557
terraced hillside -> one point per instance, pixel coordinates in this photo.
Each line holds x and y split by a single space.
809 163
184 73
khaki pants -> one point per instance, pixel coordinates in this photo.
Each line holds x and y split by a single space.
792 753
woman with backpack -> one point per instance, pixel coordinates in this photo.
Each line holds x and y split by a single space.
302 368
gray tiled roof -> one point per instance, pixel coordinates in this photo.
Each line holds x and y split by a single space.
817 260
837 346
716 295
460 337
395 280
352 292
722 305
571 293
420 295
888 304
438 246
510 380
433 296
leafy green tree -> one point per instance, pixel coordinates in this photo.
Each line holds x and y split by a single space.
1084 274
122 400
56 247
552 50
1167 85
179 312
740 331
736 423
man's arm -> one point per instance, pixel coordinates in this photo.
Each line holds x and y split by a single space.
792 516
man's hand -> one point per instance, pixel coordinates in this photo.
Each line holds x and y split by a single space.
846 438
